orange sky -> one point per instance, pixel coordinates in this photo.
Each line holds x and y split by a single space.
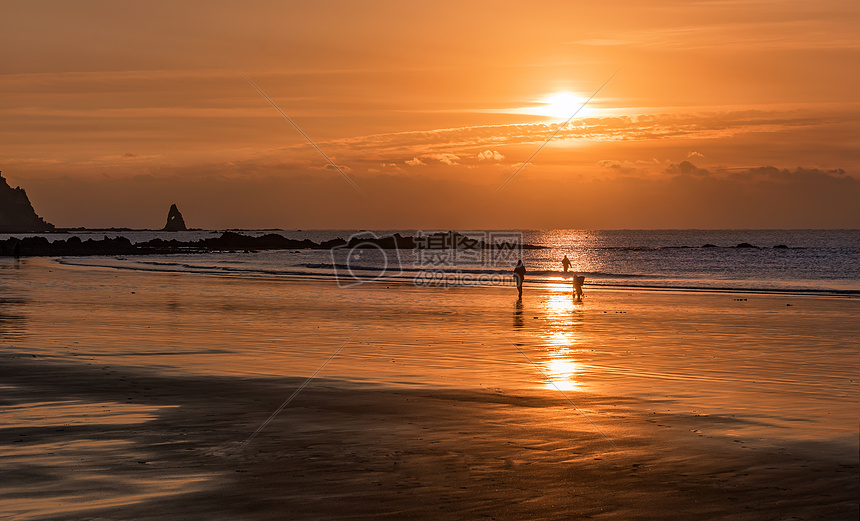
112 111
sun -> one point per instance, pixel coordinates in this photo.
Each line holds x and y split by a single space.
559 106
562 105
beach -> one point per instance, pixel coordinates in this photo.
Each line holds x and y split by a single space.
132 394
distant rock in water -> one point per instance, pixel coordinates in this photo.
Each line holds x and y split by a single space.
175 222
709 245
781 246
16 212
745 245
231 241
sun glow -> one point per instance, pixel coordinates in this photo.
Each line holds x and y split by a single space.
560 106
563 105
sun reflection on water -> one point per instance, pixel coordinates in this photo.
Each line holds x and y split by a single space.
559 305
562 374
562 341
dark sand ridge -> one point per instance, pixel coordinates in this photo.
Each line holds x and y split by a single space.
344 448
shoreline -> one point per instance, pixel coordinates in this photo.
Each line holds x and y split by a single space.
850 294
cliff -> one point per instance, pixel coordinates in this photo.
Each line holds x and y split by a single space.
16 212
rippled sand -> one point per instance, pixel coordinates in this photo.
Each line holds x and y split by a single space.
135 395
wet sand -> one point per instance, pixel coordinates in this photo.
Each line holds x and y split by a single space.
133 395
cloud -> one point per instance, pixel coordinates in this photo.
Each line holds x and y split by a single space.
807 31
477 140
609 163
625 167
694 154
448 159
490 154
249 195
415 162
124 158
599 42
652 161
686 168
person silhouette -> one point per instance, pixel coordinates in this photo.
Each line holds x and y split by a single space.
520 275
565 262
578 281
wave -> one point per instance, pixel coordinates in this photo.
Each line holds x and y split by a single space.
475 271
332 272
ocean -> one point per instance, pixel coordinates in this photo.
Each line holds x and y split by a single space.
781 261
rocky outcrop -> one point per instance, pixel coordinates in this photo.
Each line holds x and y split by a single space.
16 212
175 222
228 241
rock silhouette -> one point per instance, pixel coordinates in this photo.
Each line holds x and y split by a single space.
228 241
16 212
175 222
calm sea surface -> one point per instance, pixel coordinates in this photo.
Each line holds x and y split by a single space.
804 261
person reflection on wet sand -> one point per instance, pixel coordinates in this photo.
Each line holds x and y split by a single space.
518 313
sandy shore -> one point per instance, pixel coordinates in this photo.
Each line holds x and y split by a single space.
133 395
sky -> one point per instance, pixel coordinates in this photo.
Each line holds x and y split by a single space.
705 114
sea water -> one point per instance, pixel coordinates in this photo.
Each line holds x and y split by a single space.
795 261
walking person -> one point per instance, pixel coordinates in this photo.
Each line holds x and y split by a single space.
520 275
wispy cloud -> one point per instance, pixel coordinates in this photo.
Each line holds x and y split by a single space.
475 141
816 33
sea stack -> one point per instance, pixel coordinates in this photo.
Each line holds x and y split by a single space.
16 212
175 222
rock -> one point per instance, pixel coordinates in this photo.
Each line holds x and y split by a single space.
228 241
16 212
709 246
745 245
175 222
781 246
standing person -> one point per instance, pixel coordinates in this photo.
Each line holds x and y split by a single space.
565 262
520 275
